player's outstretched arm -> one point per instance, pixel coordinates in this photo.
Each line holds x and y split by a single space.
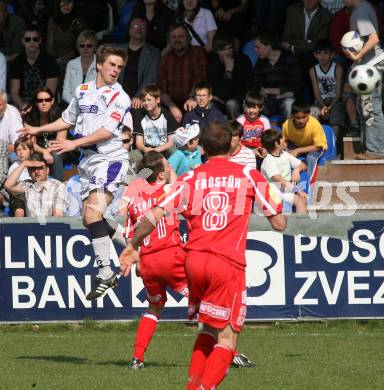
58 125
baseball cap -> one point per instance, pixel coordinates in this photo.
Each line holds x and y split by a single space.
184 134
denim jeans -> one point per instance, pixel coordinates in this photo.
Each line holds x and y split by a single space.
311 160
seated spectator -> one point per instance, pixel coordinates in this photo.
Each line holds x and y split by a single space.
10 122
75 204
36 12
81 69
63 29
3 72
143 61
305 136
154 125
282 170
134 156
4 197
23 149
199 22
41 111
159 19
327 84
277 75
188 154
204 113
239 153
230 74
182 68
11 32
32 69
254 124
44 197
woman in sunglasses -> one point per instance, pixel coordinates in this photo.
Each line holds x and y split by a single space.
81 69
42 110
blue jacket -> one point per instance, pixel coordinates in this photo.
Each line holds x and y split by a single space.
202 116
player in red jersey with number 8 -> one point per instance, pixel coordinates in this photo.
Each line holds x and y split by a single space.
218 199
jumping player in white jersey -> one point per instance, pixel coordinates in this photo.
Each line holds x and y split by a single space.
97 111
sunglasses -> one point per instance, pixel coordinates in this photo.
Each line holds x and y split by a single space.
29 39
126 141
83 45
46 100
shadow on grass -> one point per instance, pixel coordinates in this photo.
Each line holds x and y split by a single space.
58 359
124 363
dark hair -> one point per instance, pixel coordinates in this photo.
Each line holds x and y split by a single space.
23 141
268 37
300 106
60 19
254 99
269 139
31 28
106 50
220 40
37 157
203 85
136 17
236 128
180 12
216 138
323 44
153 161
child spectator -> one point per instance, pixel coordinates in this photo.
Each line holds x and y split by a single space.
305 136
204 113
188 154
282 170
23 149
253 123
327 84
154 126
239 153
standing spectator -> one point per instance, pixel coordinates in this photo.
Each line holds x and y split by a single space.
41 111
364 20
159 18
11 31
205 112
230 74
32 69
154 126
143 61
239 153
276 75
83 68
199 22
44 197
63 30
182 68
10 122
305 24
339 26
332 6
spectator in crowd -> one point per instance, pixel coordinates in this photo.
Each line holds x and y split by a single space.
282 170
143 61
35 12
81 69
205 112
364 20
10 122
159 18
3 72
182 68
230 74
4 197
306 23
188 153
276 75
332 6
11 32
239 153
327 85
134 155
269 13
254 124
44 197
23 149
63 29
41 111
154 125
305 136
340 26
199 22
32 69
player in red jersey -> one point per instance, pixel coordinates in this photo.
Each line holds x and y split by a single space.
162 256
218 198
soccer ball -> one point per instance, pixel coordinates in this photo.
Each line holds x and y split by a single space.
364 79
352 41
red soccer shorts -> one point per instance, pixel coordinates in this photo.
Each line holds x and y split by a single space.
163 269
217 290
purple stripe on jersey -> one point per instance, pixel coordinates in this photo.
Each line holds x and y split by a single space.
113 171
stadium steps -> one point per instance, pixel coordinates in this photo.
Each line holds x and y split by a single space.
351 146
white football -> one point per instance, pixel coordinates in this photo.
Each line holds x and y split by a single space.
352 41
364 79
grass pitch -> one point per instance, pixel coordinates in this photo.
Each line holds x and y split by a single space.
319 355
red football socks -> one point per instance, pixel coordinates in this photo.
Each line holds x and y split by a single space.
145 331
